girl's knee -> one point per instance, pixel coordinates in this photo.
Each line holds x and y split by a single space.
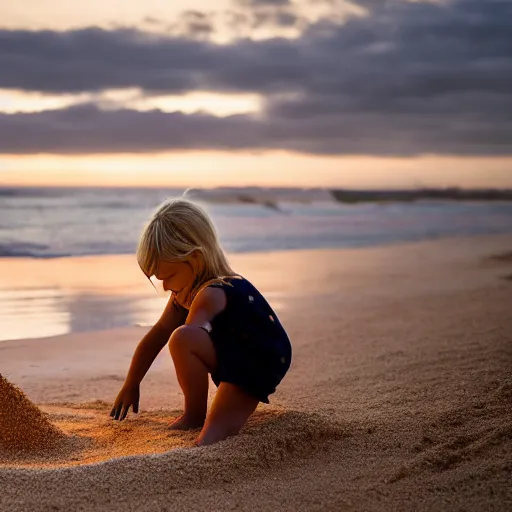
193 340
180 338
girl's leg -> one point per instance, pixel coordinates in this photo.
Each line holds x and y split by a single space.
230 409
194 357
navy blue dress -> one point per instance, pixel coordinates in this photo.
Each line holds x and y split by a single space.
253 349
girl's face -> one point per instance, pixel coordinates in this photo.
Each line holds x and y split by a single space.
177 276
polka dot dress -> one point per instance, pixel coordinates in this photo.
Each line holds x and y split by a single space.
253 349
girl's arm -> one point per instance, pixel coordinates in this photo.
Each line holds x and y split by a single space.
208 303
155 340
149 347
152 343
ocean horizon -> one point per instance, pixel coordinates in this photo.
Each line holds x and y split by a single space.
50 222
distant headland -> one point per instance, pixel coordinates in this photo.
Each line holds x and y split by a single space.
451 194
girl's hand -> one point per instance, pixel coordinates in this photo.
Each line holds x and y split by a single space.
128 396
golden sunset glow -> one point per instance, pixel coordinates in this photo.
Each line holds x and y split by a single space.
66 14
211 168
220 105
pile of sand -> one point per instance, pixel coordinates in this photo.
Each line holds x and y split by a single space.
269 437
23 426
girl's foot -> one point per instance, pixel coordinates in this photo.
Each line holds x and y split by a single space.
212 436
186 422
230 409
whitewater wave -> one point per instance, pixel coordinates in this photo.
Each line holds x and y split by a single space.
268 197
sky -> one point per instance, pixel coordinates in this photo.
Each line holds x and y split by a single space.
356 94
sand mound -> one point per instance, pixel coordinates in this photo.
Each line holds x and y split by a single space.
272 439
269 438
23 426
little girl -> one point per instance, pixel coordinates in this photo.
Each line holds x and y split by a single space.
216 322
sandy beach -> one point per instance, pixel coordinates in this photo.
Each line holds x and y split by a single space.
399 397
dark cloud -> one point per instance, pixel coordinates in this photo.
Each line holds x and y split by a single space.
407 78
275 18
94 59
87 129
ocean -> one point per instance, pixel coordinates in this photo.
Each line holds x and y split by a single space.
55 222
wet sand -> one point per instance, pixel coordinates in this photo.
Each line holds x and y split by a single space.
399 396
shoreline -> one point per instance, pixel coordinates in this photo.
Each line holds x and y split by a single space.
93 293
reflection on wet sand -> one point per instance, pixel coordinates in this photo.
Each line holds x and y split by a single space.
31 313
45 298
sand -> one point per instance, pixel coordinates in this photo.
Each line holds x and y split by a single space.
399 396
23 426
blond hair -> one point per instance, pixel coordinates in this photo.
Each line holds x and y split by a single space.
177 229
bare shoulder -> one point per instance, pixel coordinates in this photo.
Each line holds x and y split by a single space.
211 300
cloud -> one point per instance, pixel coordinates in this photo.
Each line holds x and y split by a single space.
275 18
407 78
267 13
94 59
88 129
194 24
